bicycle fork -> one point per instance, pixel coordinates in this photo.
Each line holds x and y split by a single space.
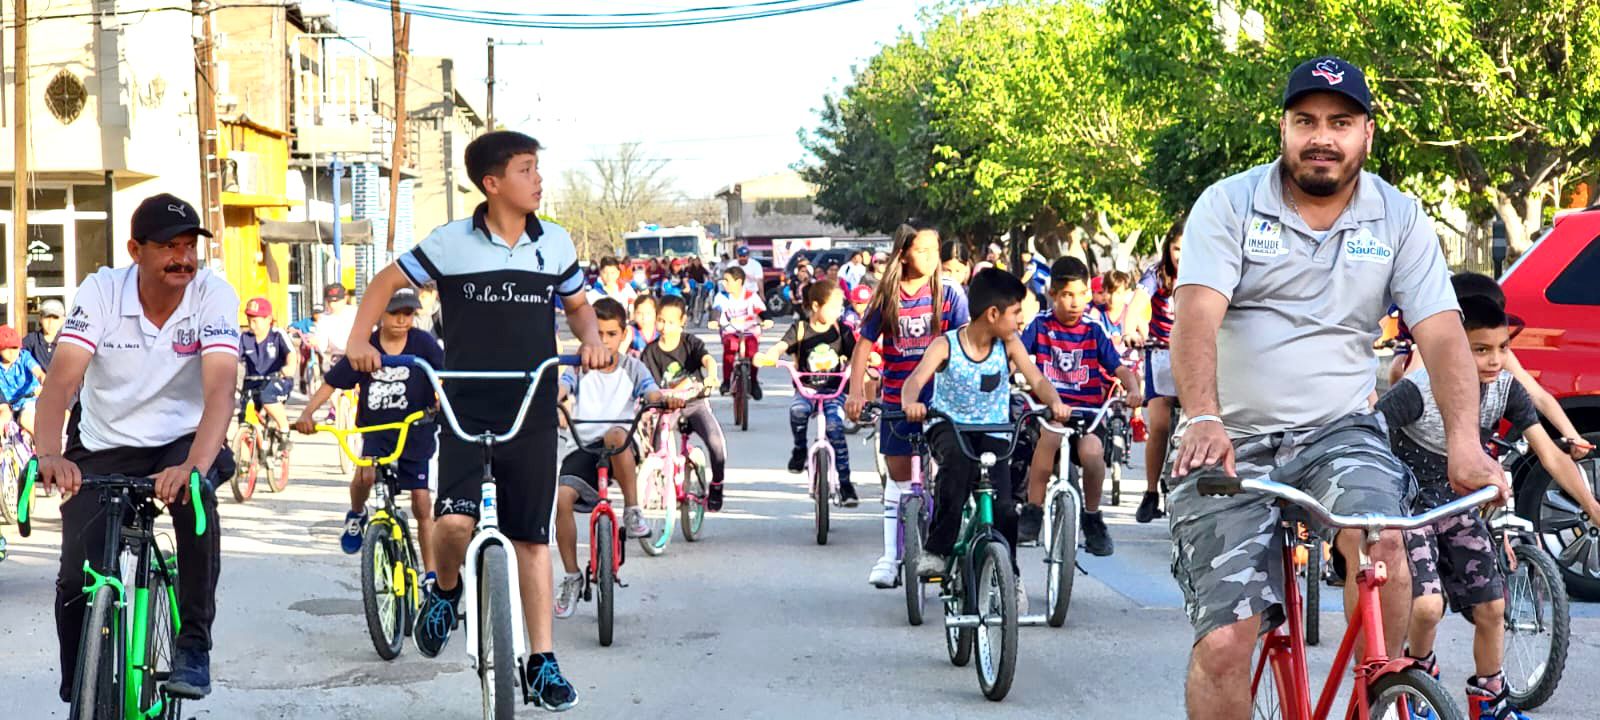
489 532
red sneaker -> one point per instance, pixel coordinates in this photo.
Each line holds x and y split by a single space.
1139 433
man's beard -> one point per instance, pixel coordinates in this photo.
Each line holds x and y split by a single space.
1318 184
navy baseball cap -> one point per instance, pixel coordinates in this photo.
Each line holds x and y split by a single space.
163 217
1328 74
743 251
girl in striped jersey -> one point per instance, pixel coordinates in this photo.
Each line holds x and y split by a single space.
902 321
1152 306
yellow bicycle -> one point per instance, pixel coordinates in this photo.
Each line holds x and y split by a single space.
391 588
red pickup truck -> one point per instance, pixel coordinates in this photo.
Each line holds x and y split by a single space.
1555 289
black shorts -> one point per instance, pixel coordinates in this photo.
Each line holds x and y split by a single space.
525 481
581 472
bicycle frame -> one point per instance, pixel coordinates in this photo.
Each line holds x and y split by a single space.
404 577
488 526
819 421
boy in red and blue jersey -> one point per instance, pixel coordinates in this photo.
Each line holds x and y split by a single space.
1079 359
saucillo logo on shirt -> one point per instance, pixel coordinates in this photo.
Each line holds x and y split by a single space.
1366 247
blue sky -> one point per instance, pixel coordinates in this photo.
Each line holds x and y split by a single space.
721 103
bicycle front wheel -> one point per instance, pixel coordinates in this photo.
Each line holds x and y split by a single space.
997 611
911 542
380 596
278 479
97 689
821 489
10 485
1313 594
162 636
243 481
657 499
1411 694
497 657
1538 627
1062 561
603 535
692 512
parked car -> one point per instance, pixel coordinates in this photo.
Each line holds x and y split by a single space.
820 258
1555 289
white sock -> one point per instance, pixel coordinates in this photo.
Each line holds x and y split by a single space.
891 513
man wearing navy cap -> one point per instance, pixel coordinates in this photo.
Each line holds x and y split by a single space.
1287 269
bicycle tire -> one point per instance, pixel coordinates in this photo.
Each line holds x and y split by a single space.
656 501
692 513
604 538
741 397
378 556
997 593
243 481
821 488
498 673
10 485
1062 561
97 686
911 529
1531 692
278 480
958 600
1116 484
1413 684
1313 596
163 640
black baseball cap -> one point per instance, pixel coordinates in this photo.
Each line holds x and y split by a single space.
403 299
1328 74
163 217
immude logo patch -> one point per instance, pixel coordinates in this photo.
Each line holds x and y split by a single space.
1366 247
1264 238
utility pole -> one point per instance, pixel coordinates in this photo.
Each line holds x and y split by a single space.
446 68
206 113
19 188
402 59
488 124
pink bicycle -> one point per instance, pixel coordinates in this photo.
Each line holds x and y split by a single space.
821 474
672 475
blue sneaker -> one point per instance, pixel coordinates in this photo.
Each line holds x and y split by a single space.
545 686
437 619
354 524
191 674
1483 706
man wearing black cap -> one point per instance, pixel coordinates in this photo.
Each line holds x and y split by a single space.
154 346
1287 269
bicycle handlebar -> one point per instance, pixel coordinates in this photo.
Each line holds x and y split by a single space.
1212 481
137 485
436 378
342 435
799 376
633 426
961 432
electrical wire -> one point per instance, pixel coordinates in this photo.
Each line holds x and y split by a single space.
522 21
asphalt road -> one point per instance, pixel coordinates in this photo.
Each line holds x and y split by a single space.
756 620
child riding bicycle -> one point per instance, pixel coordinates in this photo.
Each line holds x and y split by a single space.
820 344
604 394
970 384
1077 356
269 364
1457 556
20 380
680 362
740 317
388 395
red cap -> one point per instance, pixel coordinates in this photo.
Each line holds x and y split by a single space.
860 295
1097 284
9 338
258 307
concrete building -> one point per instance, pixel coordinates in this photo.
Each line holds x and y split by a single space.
779 206
443 120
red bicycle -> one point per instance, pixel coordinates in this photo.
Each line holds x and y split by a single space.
1385 688
606 553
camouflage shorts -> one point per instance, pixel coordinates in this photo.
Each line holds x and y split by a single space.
1457 557
1226 552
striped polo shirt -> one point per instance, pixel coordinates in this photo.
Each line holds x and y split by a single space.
498 305
917 328
1076 358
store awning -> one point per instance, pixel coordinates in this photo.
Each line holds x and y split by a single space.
308 232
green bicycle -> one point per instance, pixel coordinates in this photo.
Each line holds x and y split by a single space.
391 588
980 583
128 639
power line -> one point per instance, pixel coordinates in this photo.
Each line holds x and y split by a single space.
534 22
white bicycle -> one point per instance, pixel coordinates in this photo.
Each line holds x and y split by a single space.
1060 533
497 637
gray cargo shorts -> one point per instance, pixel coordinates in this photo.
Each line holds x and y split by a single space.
1226 551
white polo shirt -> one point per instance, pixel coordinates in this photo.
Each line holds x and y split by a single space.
142 387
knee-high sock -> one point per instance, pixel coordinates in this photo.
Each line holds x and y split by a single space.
891 513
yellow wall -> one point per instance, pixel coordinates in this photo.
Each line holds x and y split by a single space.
252 271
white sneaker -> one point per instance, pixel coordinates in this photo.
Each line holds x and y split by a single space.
1022 598
885 573
567 598
633 521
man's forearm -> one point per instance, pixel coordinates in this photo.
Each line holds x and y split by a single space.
1453 375
49 420
379 289
584 326
213 429
1194 369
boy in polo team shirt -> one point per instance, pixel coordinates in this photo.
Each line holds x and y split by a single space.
269 365
1077 357
389 395
499 273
